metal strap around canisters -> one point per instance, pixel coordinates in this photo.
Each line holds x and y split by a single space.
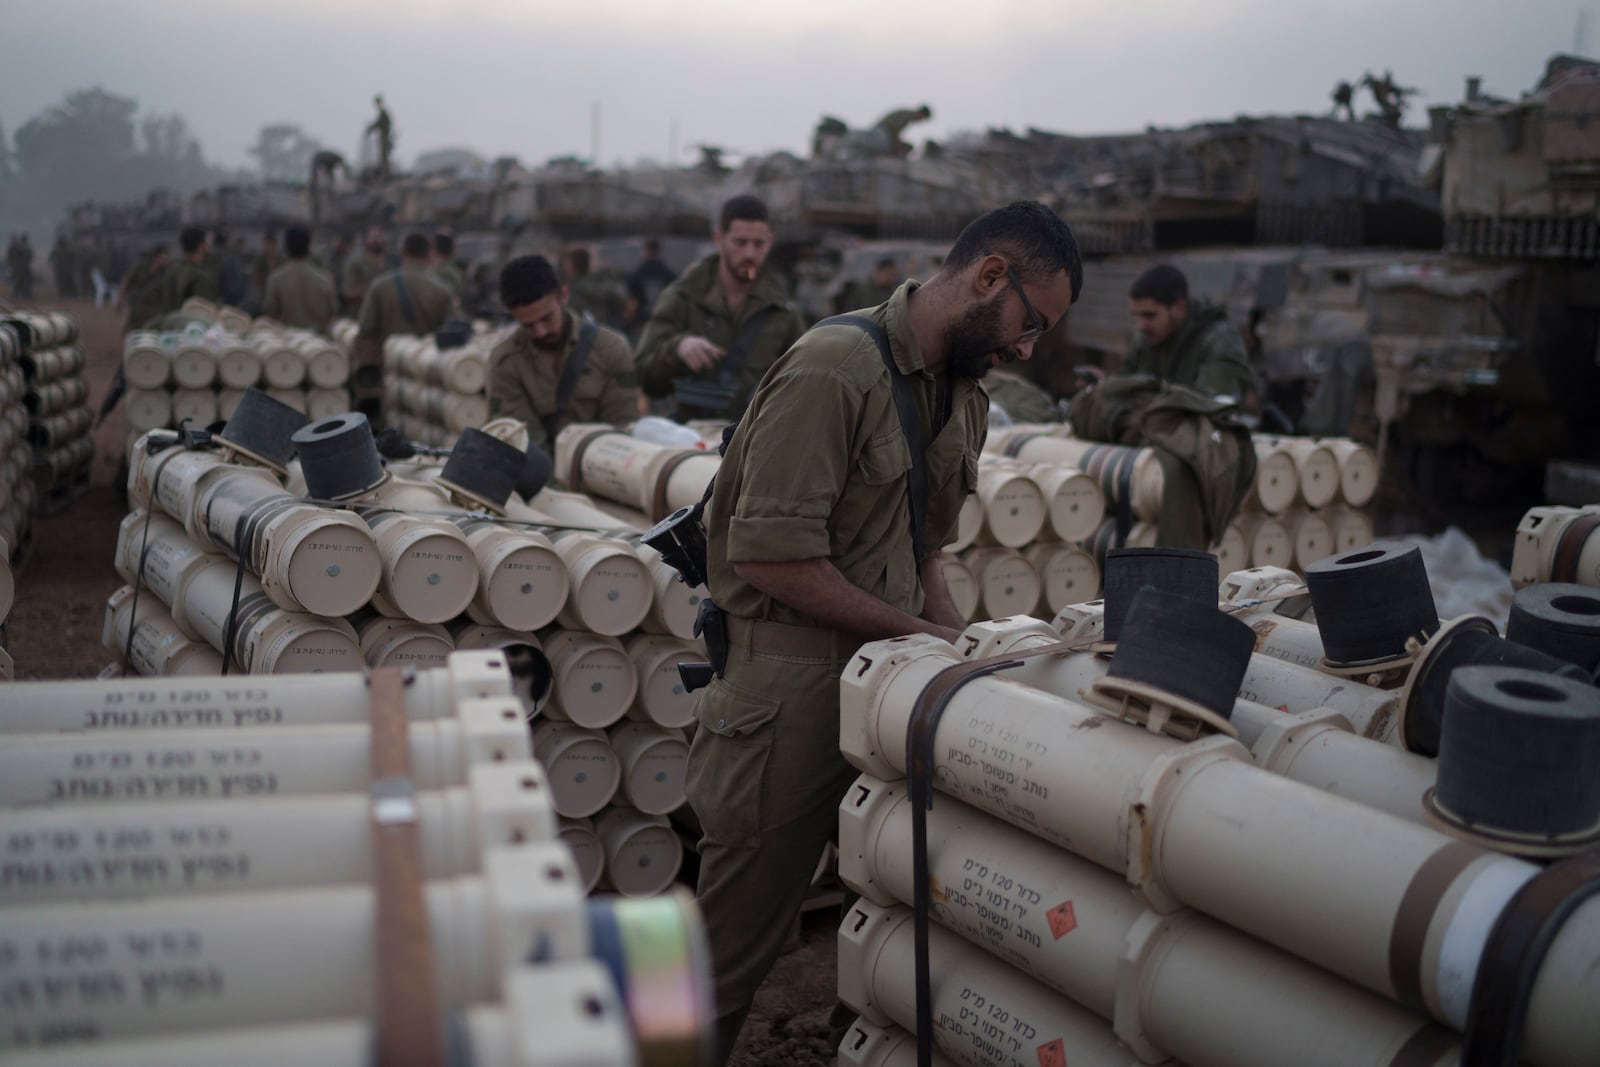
1564 567
920 730
658 495
578 451
1517 947
408 1031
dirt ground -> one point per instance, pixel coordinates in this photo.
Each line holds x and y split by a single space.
54 631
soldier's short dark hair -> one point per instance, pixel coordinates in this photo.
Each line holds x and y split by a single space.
416 246
297 242
1033 237
579 258
527 279
742 208
444 243
191 238
1165 284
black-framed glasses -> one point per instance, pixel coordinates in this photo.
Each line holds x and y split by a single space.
1034 332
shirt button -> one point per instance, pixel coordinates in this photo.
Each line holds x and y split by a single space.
721 723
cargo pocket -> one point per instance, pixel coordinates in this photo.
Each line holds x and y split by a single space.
885 458
729 760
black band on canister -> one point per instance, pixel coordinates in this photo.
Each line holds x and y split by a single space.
1371 601
1518 754
339 457
1559 619
1183 647
1185 572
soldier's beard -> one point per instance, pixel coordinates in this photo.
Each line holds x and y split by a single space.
975 340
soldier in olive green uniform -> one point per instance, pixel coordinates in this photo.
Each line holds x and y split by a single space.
811 553
1187 344
189 276
1020 399
528 369
144 290
361 268
405 301
444 264
298 293
720 325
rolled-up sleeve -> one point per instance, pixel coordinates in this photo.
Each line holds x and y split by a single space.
794 466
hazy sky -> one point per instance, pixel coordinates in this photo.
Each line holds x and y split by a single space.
520 76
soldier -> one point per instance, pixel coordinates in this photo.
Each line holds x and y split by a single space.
645 283
299 293
1344 97
189 276
894 124
222 260
1193 345
20 258
383 126
359 270
601 298
143 291
717 329
875 290
811 553
267 261
558 367
405 301
444 264
62 264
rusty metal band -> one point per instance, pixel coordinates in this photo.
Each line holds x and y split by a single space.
1569 548
920 730
1518 944
408 1031
1016 444
1415 914
658 496
1425 1047
578 452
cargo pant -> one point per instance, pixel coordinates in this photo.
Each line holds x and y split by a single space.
766 780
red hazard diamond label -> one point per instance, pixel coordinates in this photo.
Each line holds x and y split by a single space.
1053 1055
1063 920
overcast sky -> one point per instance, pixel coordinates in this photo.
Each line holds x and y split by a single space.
520 76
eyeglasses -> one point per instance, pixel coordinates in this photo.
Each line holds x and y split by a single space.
1039 325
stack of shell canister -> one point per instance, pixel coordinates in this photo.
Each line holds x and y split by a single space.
430 394
254 555
54 395
1187 825
1307 502
16 458
198 374
317 871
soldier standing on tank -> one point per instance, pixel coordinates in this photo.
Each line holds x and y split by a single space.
811 552
405 301
723 322
383 126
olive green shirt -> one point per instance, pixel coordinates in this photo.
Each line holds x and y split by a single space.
359 270
147 294
383 313
451 276
819 468
301 295
694 305
523 381
1205 353
186 279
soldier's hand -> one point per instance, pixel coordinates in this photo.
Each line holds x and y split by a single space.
698 354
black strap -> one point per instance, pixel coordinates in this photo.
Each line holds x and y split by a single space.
905 405
405 298
1518 944
738 353
570 375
